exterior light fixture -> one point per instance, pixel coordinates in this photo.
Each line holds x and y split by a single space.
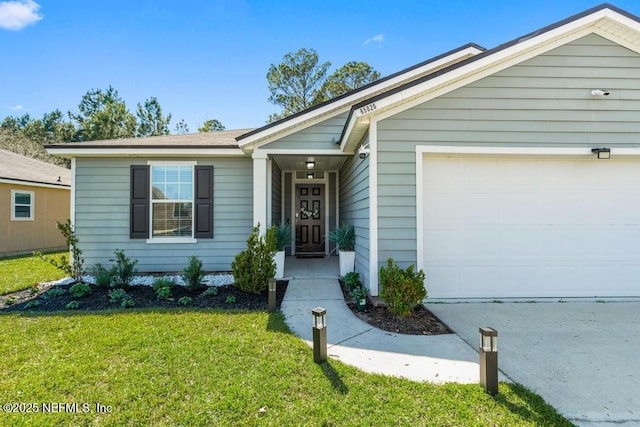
602 153
600 92
272 294
489 360
310 176
311 165
319 334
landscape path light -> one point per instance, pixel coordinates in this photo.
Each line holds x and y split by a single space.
489 360
272 294
319 334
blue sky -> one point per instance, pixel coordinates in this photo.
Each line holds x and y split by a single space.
208 59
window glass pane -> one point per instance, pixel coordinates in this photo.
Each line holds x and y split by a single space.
22 212
22 198
172 182
172 219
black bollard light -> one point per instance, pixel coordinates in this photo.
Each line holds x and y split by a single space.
489 360
272 294
319 334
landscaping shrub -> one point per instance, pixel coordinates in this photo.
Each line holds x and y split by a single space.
120 296
102 276
253 267
123 270
73 305
351 280
54 292
193 274
80 290
163 286
73 267
210 292
402 290
185 300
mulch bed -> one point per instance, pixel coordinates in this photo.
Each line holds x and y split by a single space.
143 296
420 322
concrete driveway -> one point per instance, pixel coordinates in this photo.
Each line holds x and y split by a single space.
583 358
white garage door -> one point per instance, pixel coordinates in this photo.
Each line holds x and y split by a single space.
498 227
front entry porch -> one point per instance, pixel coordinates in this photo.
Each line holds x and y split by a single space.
326 267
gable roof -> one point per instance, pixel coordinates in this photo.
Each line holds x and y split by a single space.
27 171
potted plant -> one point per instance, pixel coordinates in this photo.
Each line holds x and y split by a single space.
345 237
281 239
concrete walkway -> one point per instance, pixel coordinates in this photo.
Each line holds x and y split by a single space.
438 359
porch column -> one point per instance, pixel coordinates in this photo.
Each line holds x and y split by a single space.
260 180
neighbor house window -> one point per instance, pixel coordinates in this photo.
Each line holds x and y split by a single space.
172 201
22 205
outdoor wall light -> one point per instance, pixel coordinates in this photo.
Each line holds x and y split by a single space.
311 165
309 176
602 153
600 92
319 334
489 360
272 294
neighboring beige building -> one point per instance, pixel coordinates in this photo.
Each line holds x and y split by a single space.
33 196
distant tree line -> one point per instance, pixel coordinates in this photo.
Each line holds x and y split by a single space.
299 82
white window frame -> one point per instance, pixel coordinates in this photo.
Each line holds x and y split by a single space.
32 195
170 240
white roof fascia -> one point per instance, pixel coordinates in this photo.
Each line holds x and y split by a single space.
301 152
34 184
145 152
344 104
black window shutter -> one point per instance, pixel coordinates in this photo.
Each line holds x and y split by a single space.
139 220
204 203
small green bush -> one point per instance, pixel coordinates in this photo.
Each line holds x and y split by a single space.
120 296
54 292
193 274
80 290
358 293
31 304
163 287
185 300
102 276
230 299
253 267
402 290
123 270
210 292
73 305
33 289
351 280
10 301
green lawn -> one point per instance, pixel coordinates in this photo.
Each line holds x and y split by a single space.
20 273
171 367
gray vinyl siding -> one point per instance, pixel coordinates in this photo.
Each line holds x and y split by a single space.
276 194
354 208
102 216
317 137
544 101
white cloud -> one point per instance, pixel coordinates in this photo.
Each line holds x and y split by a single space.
17 108
378 38
15 15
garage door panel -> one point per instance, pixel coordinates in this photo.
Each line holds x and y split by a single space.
531 227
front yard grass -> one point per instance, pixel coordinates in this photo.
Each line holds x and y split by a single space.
20 273
179 367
